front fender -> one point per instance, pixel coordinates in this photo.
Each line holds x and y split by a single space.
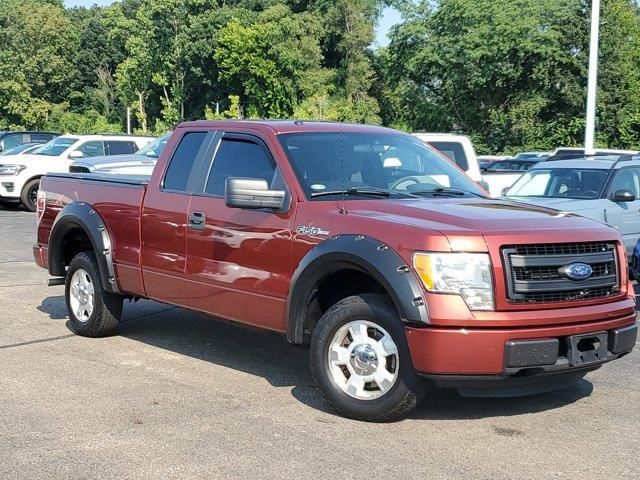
363 253
82 215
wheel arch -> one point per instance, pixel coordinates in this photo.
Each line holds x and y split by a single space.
30 179
370 257
80 218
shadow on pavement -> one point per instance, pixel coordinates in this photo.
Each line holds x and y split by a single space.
54 307
270 356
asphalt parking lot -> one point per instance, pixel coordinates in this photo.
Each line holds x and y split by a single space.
180 395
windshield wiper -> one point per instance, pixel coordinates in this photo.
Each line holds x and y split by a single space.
445 191
354 191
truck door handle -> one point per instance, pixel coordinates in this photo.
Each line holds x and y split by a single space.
197 220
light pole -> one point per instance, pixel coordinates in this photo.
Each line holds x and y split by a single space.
592 85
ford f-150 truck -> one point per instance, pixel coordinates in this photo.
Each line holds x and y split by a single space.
359 241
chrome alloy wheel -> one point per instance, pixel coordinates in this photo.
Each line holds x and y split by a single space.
363 360
81 295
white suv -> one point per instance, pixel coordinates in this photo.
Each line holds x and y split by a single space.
20 174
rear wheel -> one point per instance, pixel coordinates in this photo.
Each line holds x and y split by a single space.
29 195
93 312
360 360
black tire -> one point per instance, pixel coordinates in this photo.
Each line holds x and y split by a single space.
107 307
408 388
29 195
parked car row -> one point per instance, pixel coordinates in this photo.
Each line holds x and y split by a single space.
22 166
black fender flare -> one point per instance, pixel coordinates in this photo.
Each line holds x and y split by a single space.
363 253
82 215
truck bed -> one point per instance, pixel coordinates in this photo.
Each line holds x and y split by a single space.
117 199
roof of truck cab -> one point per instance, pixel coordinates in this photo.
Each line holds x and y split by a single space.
289 126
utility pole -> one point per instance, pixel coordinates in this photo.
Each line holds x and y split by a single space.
592 85
128 120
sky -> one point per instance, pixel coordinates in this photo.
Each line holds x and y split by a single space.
389 18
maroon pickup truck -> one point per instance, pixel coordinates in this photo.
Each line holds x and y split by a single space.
361 242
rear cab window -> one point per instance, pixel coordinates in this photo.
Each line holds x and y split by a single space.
183 160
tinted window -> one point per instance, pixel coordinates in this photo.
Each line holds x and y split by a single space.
11 140
499 166
182 161
24 148
454 151
236 158
41 137
94 148
626 179
120 147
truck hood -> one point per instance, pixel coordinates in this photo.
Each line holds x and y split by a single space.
474 216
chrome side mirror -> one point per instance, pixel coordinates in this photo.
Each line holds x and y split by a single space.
252 193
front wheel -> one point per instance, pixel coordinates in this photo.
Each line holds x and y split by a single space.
93 312
29 197
360 360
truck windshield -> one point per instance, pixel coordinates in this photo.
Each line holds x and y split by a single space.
55 147
364 162
560 183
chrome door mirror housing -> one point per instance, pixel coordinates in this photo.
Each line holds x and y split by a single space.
252 193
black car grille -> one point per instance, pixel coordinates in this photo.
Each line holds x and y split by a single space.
534 272
78 169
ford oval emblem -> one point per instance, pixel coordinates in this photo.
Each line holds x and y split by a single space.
577 271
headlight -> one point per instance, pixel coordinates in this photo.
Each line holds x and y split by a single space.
11 169
464 274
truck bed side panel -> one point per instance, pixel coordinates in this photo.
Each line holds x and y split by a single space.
119 205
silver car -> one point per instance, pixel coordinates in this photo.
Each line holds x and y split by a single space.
141 162
604 188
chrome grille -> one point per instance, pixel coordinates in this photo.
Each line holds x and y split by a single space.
533 272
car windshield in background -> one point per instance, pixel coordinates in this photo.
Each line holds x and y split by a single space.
366 163
24 148
560 183
155 148
454 151
55 147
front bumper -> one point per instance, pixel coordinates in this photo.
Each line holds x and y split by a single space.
482 352
8 189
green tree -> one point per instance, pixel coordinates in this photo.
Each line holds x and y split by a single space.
36 44
511 74
274 62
